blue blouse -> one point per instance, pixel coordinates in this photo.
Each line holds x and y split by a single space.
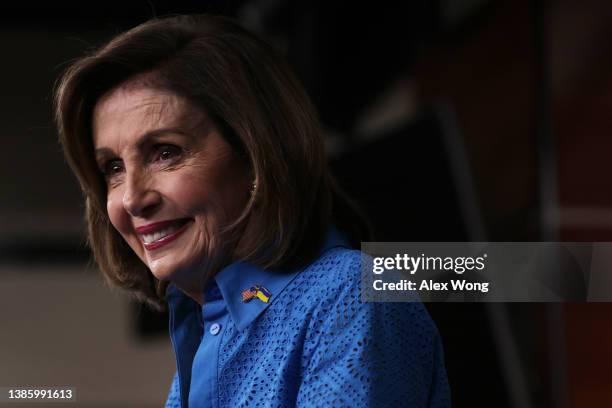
302 338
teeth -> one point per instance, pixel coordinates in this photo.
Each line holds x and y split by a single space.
149 238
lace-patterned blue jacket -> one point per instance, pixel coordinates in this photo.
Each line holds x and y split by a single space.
304 338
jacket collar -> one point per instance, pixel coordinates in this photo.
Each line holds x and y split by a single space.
239 276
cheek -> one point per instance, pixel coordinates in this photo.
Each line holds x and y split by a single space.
198 198
191 198
212 198
234 190
188 191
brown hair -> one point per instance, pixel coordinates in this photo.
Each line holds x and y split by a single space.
261 110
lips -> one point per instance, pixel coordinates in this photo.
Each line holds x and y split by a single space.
159 234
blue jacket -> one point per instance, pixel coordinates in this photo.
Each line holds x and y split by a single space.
313 343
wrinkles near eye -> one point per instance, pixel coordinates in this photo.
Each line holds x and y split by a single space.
165 152
112 167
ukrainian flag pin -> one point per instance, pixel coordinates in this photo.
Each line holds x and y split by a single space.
257 291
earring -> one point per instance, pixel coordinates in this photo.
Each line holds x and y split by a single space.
253 187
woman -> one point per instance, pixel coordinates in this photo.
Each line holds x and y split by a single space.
206 188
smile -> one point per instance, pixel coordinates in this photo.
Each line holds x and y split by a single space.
156 235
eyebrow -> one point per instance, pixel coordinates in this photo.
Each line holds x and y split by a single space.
104 152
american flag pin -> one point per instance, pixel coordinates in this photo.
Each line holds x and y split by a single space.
257 291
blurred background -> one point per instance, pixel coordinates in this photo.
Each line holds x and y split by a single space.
446 120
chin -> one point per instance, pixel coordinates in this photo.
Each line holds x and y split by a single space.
163 268
162 273
167 269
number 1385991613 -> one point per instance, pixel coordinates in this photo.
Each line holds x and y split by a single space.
8 394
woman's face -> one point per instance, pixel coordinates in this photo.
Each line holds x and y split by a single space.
173 181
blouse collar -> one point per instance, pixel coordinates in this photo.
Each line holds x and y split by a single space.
239 277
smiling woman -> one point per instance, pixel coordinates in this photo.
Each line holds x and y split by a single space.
208 192
172 182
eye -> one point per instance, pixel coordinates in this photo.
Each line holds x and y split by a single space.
112 167
164 152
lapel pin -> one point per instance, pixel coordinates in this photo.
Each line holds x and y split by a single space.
256 291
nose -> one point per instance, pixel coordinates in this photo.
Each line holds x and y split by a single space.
139 197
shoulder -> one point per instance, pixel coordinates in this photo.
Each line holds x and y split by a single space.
331 271
385 352
332 285
333 274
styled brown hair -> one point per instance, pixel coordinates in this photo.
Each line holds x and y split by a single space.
262 111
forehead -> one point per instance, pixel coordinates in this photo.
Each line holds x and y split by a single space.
130 109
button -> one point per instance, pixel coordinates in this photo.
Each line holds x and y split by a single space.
215 328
